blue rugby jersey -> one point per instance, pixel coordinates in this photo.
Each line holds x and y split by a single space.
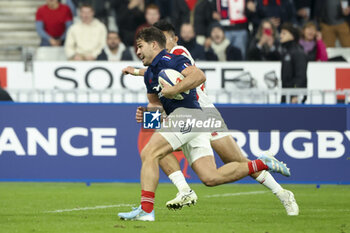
166 60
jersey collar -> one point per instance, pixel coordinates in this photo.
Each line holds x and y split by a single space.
158 57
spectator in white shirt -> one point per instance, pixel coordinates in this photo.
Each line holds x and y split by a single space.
85 39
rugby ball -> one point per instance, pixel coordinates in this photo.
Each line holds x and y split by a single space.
172 77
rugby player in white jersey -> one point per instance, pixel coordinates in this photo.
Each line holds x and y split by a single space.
221 141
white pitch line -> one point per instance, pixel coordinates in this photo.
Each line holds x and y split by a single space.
88 208
123 205
235 194
326 210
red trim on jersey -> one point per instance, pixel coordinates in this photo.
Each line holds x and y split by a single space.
179 52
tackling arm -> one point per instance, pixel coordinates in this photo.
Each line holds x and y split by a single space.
134 71
153 104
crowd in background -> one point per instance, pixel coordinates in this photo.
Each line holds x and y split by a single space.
212 30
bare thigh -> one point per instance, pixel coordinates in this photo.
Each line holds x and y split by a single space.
228 150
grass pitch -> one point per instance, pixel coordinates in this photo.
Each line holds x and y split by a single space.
74 207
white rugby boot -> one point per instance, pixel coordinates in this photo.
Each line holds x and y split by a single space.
288 201
182 199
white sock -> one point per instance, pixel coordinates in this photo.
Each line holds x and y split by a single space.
179 181
269 182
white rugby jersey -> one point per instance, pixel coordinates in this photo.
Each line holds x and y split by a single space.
203 98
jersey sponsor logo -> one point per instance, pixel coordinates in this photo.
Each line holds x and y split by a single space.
157 88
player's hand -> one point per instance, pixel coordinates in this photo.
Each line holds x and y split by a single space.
128 70
168 91
139 114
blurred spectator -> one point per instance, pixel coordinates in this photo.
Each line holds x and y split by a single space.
221 46
232 16
303 10
152 15
115 49
101 8
312 43
294 61
331 14
181 13
188 40
265 45
4 95
52 22
85 39
130 15
196 12
278 11
165 7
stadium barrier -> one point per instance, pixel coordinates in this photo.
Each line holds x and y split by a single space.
101 142
239 96
227 82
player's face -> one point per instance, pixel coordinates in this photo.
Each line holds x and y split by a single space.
145 52
171 41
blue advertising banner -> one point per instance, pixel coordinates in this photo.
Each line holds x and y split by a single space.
101 142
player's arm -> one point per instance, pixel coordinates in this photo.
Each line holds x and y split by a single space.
193 78
153 104
134 71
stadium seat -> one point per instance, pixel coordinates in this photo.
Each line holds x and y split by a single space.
50 54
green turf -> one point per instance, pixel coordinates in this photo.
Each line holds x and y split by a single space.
24 206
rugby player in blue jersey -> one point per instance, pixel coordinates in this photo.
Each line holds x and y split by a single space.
151 50
221 141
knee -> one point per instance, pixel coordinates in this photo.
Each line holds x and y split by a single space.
209 181
149 153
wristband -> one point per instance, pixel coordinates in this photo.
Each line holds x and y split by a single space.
136 71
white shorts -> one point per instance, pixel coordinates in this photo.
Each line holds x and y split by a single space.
218 135
198 148
177 136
